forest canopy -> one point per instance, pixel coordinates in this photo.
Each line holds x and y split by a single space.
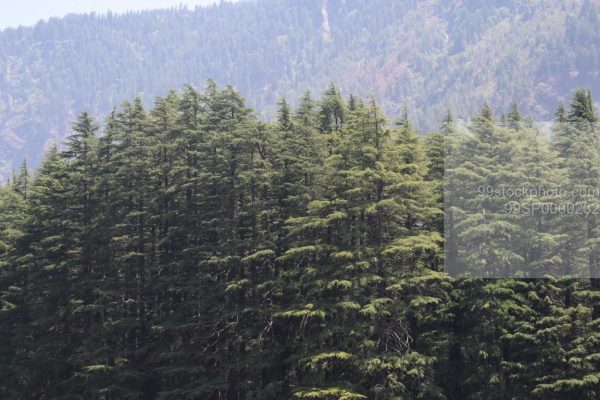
192 251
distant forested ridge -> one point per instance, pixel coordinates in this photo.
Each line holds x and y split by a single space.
428 56
192 251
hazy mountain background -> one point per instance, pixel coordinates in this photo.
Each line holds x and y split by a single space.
28 12
426 55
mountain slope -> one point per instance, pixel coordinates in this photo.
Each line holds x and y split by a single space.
426 55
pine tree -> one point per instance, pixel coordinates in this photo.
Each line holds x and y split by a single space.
127 227
43 255
344 252
21 182
514 117
13 216
332 111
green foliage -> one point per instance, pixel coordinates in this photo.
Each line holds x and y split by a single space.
193 251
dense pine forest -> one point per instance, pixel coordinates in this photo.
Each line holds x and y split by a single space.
192 251
425 55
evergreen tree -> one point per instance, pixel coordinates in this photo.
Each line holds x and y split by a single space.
192 251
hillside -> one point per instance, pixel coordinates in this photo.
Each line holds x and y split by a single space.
427 55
